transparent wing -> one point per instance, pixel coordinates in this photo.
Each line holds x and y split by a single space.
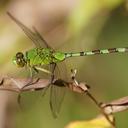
40 39
35 36
56 99
57 93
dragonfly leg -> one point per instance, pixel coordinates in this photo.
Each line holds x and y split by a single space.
42 70
28 84
52 72
36 69
48 72
31 77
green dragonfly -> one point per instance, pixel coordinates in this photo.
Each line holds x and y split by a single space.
40 56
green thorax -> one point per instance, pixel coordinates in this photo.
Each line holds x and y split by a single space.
43 56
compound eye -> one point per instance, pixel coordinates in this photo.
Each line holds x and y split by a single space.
19 55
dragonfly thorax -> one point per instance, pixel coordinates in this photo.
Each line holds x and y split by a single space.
43 56
19 59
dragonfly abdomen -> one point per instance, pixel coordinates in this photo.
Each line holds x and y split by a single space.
95 52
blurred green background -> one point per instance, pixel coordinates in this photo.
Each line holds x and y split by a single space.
67 25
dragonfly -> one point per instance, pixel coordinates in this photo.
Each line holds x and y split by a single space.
43 55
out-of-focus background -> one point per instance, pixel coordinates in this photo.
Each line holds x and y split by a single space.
67 25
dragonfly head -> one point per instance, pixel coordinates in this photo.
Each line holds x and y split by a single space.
19 60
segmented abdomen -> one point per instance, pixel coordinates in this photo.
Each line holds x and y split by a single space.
95 52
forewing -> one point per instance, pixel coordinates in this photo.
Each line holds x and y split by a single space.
34 36
40 39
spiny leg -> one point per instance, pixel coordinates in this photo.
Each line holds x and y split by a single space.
32 77
53 72
57 93
52 76
36 69
28 84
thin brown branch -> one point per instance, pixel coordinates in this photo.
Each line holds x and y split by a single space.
117 105
17 84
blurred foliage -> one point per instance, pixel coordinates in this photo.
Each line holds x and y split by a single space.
87 9
70 26
3 4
